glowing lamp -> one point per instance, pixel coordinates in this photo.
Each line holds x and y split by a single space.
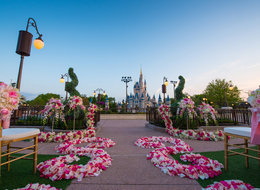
38 43
166 82
94 93
62 80
231 87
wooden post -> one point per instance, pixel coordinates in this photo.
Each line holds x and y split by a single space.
35 153
226 151
8 156
246 152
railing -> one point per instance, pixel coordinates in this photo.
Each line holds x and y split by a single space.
33 113
236 116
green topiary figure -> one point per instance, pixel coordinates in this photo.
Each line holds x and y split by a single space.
70 87
178 95
178 91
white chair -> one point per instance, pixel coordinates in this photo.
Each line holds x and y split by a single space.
242 133
8 136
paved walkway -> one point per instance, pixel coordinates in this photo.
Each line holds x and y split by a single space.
130 169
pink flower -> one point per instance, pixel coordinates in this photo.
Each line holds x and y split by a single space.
4 112
13 94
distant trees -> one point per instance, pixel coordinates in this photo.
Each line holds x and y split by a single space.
42 99
219 93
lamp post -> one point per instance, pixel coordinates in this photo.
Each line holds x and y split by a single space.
174 85
62 80
126 80
24 46
165 84
230 87
99 95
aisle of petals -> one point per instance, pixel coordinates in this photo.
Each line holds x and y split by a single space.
188 134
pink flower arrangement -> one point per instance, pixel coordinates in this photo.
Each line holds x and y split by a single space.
9 100
76 102
188 134
254 98
68 147
186 105
37 186
53 108
229 185
61 137
206 112
90 115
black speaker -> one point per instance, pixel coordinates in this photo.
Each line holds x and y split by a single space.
24 43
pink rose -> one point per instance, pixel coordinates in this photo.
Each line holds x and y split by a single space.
13 94
14 102
4 111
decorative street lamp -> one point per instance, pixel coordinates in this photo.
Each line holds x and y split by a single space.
174 85
165 84
225 93
99 95
24 45
126 80
62 80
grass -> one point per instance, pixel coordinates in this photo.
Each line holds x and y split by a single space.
21 174
236 166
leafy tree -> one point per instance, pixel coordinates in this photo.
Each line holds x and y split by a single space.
42 99
222 93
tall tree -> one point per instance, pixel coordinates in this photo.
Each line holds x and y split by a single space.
222 93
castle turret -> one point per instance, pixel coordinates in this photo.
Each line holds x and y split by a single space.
168 101
159 100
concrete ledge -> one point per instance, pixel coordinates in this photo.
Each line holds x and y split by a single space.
123 116
48 128
209 128
154 127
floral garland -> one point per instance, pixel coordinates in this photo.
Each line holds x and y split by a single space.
76 102
9 100
188 134
37 186
57 168
186 105
156 142
53 108
207 111
61 137
90 115
229 184
204 167
68 147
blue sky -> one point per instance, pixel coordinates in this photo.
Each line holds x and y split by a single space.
104 40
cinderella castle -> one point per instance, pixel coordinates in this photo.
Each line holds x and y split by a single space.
140 99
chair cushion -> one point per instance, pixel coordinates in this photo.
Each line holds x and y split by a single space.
15 133
242 131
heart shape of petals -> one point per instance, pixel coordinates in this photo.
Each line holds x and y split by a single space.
229 184
156 142
58 168
203 167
